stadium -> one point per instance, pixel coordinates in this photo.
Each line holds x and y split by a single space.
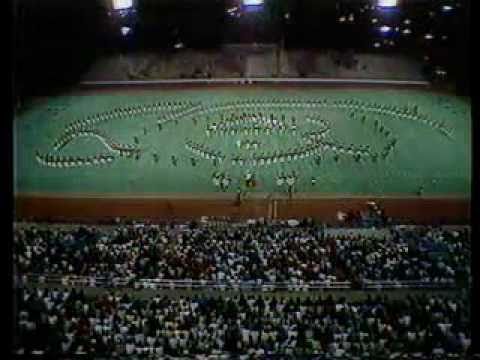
242 179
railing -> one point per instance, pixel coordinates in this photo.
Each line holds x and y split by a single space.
261 80
155 284
408 284
146 352
102 282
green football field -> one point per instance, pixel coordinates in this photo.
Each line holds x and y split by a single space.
351 142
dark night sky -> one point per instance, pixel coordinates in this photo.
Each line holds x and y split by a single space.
56 40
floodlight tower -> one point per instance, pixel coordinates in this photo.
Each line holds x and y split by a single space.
252 2
386 17
124 15
122 4
387 3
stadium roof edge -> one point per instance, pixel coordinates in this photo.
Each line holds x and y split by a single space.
249 81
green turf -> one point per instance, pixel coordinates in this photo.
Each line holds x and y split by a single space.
421 157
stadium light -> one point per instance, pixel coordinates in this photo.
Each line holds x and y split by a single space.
125 30
387 3
122 4
252 2
232 11
385 29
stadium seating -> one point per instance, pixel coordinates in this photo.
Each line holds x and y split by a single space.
69 322
244 256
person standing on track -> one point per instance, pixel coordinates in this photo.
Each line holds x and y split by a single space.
239 195
421 190
290 183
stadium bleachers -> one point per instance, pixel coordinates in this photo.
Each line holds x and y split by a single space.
68 322
242 256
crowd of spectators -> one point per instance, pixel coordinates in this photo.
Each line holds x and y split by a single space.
68 322
240 252
419 254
